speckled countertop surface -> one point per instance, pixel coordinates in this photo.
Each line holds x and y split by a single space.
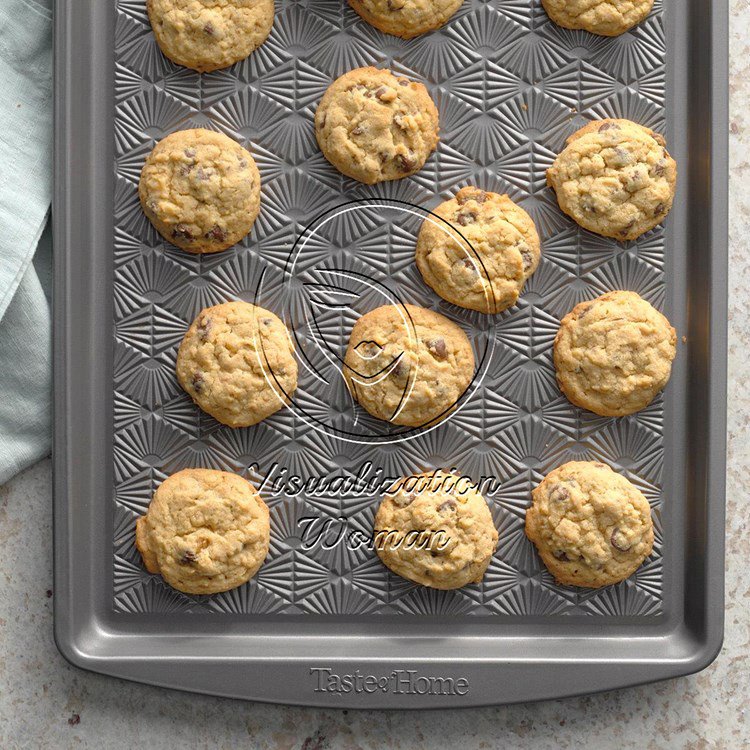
45 703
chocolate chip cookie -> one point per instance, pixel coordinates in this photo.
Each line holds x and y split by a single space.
205 531
615 178
614 355
237 363
374 126
200 190
408 365
206 35
406 18
591 526
435 529
482 257
603 17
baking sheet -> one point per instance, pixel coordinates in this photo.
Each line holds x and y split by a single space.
510 87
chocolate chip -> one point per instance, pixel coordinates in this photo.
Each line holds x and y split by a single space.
559 554
209 29
609 126
469 263
181 232
471 195
466 217
626 229
266 321
588 207
438 348
527 258
380 92
243 163
406 163
619 541
190 153
204 327
403 82
446 506
358 130
216 233
322 122
400 370
659 168
204 175
557 493
660 209
74 720
197 382
188 557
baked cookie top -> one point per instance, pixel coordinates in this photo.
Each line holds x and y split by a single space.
406 18
206 35
201 190
615 178
489 272
604 17
435 529
205 531
237 363
614 355
374 126
591 526
408 365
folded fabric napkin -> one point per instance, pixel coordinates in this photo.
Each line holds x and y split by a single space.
25 194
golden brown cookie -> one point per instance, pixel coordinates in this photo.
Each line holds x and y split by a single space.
591 526
604 17
489 272
406 18
237 362
205 531
201 190
374 126
614 355
408 365
206 35
435 529
615 178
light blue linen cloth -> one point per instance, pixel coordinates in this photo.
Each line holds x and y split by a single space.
25 194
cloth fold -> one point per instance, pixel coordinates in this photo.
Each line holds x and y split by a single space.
25 195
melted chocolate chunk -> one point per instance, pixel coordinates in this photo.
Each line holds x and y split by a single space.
198 382
557 493
438 348
181 232
188 557
406 163
216 233
609 126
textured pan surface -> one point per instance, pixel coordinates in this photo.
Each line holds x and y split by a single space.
510 87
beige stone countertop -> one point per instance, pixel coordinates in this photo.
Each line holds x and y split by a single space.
45 703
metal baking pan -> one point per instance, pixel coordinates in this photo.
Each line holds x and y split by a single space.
329 626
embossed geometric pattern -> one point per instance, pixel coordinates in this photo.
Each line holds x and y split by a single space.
510 87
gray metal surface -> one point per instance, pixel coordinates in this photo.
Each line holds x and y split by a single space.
510 86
